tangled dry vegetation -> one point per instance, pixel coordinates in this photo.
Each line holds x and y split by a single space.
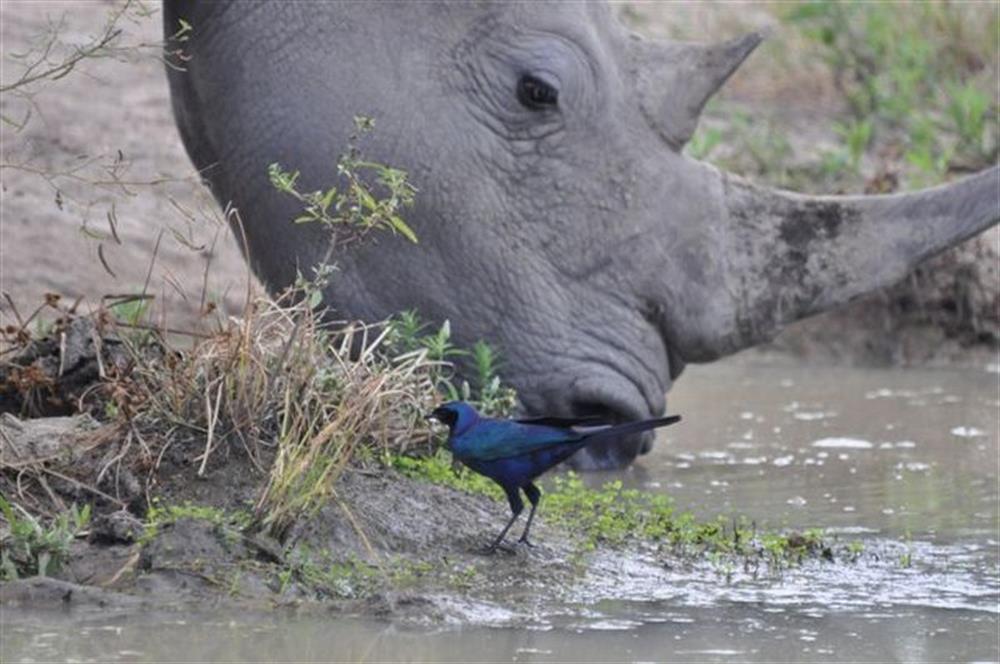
297 397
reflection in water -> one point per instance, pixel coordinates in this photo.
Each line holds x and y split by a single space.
905 461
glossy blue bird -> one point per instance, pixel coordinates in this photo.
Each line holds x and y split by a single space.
513 453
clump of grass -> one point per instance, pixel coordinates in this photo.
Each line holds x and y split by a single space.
299 395
331 409
31 548
614 515
611 514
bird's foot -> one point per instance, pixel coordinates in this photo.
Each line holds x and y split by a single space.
497 546
525 542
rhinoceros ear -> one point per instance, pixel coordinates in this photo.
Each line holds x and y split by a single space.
675 80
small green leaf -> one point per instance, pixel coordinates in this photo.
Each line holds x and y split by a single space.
327 199
315 299
403 229
366 198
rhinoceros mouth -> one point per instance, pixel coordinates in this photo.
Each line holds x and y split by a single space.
614 397
613 455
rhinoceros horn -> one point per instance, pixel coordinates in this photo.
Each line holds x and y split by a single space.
748 259
675 80
789 256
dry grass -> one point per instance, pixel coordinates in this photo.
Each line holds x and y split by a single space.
334 407
302 398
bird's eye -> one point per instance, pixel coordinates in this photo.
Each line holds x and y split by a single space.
446 416
536 94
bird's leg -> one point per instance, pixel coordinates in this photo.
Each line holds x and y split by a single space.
534 496
498 542
516 507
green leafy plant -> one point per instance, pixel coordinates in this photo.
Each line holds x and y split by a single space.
857 134
32 548
439 468
968 111
357 207
491 395
408 334
159 515
370 198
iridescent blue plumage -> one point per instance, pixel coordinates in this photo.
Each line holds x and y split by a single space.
513 453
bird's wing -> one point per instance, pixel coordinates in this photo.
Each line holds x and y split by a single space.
500 439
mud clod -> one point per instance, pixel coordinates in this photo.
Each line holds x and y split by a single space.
119 527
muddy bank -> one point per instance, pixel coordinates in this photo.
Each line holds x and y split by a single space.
394 547
387 545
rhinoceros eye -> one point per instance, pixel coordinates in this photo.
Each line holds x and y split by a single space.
535 93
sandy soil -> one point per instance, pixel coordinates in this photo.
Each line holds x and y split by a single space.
110 120
100 111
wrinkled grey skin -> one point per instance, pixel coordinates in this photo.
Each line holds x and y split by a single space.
578 239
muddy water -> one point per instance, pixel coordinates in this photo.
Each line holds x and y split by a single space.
905 462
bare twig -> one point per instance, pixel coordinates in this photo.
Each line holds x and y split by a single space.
213 417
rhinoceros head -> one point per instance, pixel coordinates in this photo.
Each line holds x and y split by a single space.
557 216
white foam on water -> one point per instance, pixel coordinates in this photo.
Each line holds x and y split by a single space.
967 432
807 416
850 443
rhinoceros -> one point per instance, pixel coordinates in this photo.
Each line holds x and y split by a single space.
557 215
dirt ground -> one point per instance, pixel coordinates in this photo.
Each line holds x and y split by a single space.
106 110
121 211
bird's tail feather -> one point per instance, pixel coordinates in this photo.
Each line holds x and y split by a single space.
629 428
